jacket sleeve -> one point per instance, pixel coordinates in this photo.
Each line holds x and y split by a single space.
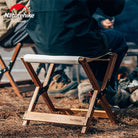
99 16
111 7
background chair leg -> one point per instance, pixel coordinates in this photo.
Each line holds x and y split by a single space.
9 76
13 84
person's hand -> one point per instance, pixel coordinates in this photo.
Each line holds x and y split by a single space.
107 24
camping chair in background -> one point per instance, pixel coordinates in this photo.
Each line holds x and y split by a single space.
68 116
133 51
7 69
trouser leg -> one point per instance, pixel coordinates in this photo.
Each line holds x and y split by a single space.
18 35
117 44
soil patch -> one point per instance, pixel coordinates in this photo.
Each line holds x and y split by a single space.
12 109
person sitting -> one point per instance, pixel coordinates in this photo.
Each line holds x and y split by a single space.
63 28
126 23
13 31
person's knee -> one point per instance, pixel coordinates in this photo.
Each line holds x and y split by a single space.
115 39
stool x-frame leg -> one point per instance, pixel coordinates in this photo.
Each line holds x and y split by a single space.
7 69
68 115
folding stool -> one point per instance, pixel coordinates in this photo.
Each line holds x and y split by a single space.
68 115
7 69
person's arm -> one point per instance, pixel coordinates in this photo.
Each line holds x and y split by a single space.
111 7
99 15
103 20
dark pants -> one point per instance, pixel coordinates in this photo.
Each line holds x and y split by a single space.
19 34
117 44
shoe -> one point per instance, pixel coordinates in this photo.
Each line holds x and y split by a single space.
83 91
85 88
60 83
72 93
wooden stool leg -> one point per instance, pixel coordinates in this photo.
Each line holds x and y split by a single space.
46 83
39 86
108 110
37 82
109 70
90 112
96 86
32 104
108 75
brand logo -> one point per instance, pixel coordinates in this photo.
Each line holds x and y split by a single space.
18 7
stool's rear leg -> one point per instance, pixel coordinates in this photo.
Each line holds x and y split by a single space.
109 70
107 77
97 87
46 83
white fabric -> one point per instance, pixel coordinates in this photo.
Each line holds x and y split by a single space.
33 58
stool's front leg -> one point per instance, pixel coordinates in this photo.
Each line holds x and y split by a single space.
90 112
32 104
37 82
108 110
39 88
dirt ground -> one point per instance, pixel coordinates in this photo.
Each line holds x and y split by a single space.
12 109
